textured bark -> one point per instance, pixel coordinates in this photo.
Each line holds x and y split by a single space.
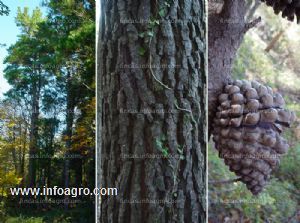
226 32
179 43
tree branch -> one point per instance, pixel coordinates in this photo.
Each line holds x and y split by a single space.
252 24
274 41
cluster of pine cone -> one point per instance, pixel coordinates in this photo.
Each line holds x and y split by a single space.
247 131
289 8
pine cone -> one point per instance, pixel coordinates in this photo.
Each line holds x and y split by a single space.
289 8
247 131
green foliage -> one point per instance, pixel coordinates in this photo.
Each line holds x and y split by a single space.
164 8
142 51
29 24
4 10
161 145
24 220
252 59
289 164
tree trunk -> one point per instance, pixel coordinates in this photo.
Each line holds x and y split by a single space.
33 134
152 98
20 152
226 32
77 166
14 153
68 132
50 153
22 163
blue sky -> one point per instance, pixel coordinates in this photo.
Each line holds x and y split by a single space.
9 32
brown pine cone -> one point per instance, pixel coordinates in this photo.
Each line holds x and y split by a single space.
289 8
247 131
